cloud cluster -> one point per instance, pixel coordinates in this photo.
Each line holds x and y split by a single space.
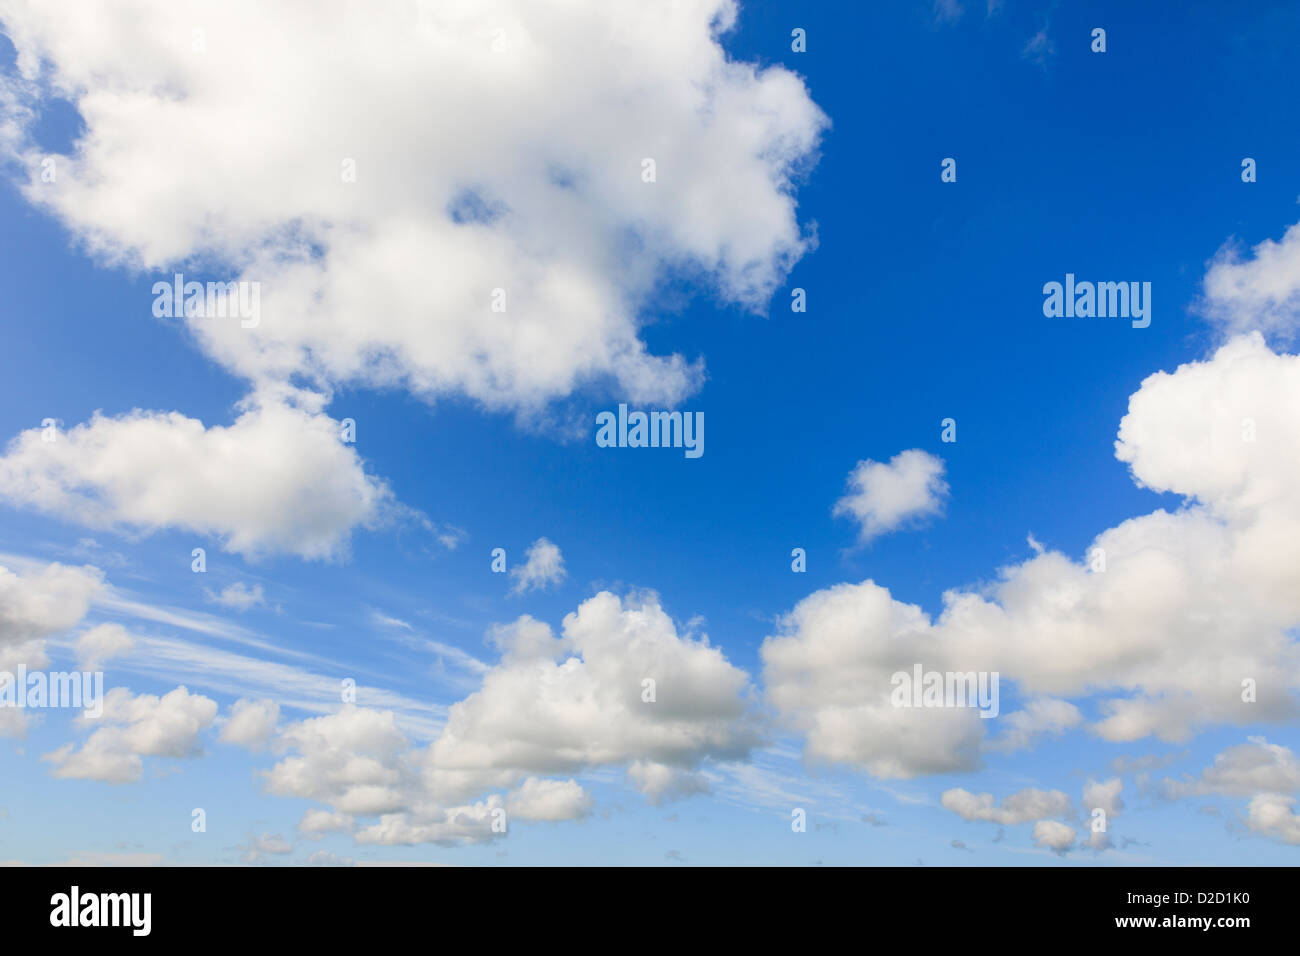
379 233
1244 770
37 602
278 479
1023 806
1267 773
620 687
133 727
251 723
1170 623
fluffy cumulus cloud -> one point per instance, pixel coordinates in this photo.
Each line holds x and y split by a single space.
552 800
619 687
351 760
133 727
1054 835
239 596
1269 774
37 602
317 823
1043 716
278 479
1023 806
543 566
1272 815
660 783
1253 767
1103 795
101 643
379 234
1261 291
829 673
251 723
883 497
1170 622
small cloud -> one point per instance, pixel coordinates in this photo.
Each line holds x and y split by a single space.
267 844
543 565
884 497
1053 835
251 723
101 643
385 620
450 537
1040 48
239 597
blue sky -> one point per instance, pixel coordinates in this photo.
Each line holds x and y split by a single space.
924 303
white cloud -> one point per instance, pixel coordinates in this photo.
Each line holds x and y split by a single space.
39 602
350 760
660 783
829 674
240 597
549 800
133 727
277 480
388 280
317 823
1188 610
1243 770
1041 716
1023 806
543 566
1104 795
258 847
551 706
1261 291
884 497
251 723
1054 835
561 705
101 643
1270 815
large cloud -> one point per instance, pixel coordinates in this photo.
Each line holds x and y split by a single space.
133 727
496 146
552 706
1174 619
278 479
